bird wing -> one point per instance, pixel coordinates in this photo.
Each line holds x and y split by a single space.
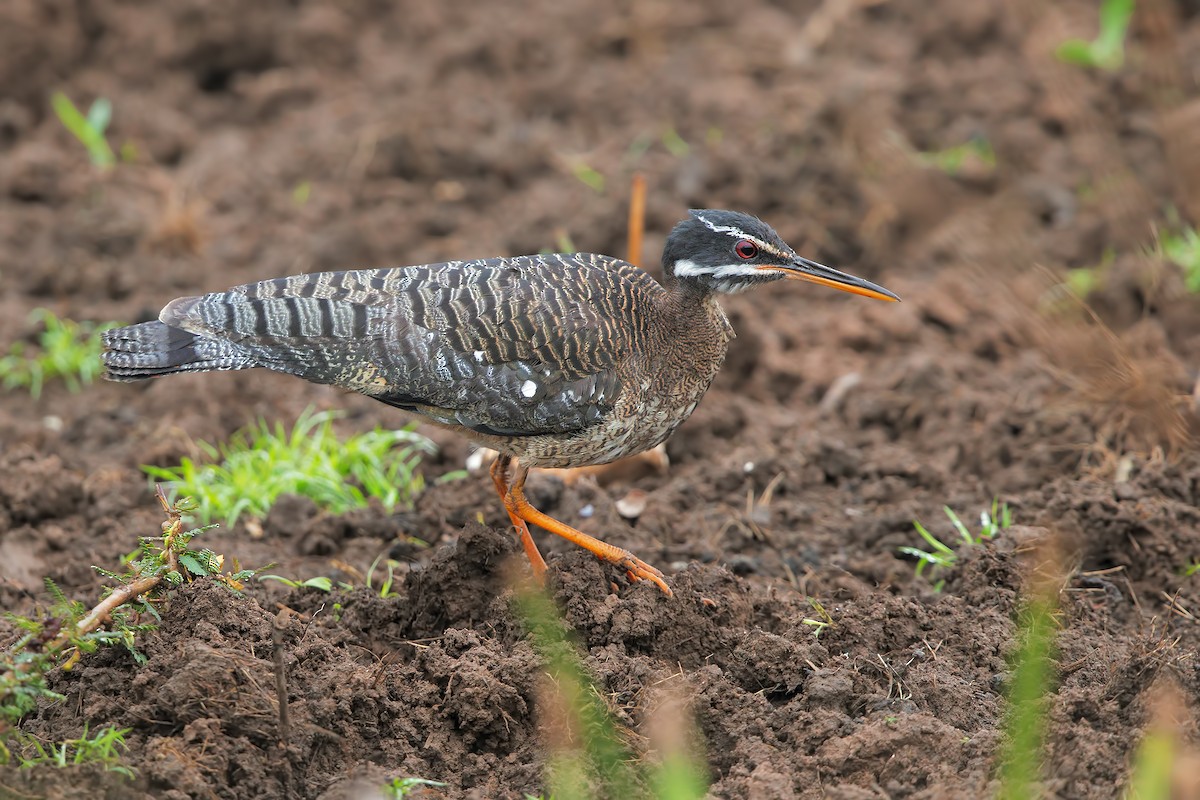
516 346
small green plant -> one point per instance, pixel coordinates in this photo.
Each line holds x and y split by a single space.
67 351
385 586
1183 249
941 556
301 192
562 244
89 130
246 474
1082 281
59 638
1192 568
588 176
105 748
952 160
1077 284
675 144
822 621
320 582
1107 50
325 584
398 788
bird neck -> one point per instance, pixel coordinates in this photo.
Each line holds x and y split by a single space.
694 309
686 291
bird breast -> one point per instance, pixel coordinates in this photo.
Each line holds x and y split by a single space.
661 391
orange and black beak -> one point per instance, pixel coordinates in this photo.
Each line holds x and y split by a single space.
801 269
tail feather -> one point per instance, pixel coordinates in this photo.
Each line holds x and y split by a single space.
150 349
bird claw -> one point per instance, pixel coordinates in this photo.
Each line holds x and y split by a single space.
638 570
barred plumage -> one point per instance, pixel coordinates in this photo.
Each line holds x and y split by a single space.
558 360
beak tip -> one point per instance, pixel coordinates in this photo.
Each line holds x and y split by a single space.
819 273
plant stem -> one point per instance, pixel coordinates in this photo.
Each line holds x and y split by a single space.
123 594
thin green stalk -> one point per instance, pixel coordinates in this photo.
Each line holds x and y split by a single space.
1033 678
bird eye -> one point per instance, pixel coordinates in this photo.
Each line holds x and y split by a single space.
746 249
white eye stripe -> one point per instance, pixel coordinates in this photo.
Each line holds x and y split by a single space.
738 233
729 229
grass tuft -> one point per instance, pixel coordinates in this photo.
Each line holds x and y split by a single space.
389 578
250 471
941 556
67 351
105 748
952 160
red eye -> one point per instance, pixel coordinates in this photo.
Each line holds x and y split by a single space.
746 249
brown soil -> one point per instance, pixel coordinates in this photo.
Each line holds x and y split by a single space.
431 130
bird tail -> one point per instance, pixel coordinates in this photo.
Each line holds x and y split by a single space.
150 349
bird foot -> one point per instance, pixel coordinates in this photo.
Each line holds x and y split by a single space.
638 570
521 513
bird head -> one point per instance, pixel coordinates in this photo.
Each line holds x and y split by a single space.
729 252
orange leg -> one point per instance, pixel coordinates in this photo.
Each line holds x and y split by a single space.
520 509
500 478
637 219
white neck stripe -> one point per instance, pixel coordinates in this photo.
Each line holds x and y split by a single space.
686 268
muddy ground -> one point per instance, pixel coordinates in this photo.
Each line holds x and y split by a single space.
274 137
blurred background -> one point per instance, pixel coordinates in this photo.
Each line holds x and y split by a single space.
1026 175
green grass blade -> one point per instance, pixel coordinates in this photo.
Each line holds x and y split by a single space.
1033 678
67 351
82 129
679 778
959 527
934 542
1152 768
99 115
1115 16
602 751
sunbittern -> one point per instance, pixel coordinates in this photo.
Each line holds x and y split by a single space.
562 360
